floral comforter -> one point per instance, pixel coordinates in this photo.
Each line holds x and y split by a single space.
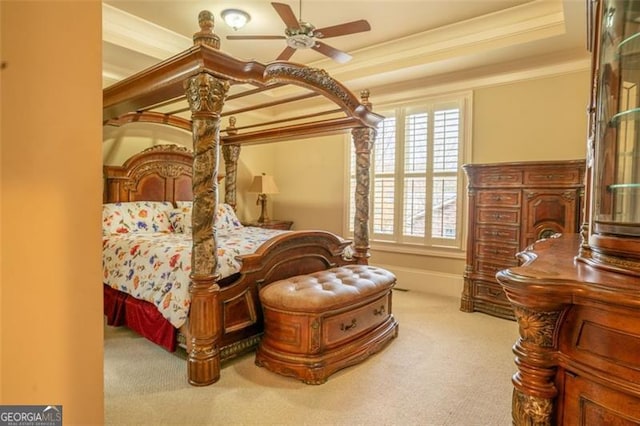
155 266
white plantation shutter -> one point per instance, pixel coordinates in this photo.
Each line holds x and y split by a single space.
416 175
383 165
446 163
415 169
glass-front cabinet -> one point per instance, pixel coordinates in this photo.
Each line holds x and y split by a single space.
613 232
578 353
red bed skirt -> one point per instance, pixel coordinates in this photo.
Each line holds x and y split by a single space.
140 316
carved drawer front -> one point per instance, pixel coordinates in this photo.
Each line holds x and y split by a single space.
495 178
499 198
491 250
344 326
491 266
498 216
490 291
495 233
588 403
553 177
606 339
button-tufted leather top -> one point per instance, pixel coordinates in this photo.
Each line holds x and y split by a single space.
325 290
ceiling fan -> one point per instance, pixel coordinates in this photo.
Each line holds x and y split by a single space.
303 35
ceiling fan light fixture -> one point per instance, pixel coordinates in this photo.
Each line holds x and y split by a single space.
300 41
235 18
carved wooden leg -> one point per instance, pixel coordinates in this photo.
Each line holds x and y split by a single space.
531 411
535 391
466 302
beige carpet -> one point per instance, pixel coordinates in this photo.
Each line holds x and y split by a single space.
445 368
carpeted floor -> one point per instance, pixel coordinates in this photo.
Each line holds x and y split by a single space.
445 368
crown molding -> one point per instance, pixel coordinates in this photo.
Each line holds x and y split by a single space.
123 29
421 60
476 79
528 22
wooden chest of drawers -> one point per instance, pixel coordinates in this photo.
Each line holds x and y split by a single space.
511 205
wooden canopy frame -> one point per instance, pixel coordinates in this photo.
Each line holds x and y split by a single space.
203 76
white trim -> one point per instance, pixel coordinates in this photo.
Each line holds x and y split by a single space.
521 24
425 281
418 250
126 30
482 78
514 26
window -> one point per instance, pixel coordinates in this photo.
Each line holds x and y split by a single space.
416 179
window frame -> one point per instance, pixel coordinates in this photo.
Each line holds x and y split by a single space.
398 242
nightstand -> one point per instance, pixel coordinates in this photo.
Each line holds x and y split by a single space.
272 224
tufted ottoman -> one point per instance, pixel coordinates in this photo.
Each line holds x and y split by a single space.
318 323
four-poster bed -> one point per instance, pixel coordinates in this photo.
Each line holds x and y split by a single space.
203 81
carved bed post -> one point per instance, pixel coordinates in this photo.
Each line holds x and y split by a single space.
206 95
231 154
363 139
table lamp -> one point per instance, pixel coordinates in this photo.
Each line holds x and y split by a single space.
263 185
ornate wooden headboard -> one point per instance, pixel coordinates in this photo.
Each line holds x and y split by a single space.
159 173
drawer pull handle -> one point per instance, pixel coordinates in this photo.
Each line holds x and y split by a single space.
494 293
348 327
498 234
380 311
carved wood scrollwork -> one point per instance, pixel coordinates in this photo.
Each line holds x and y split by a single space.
315 335
315 77
231 153
537 328
567 195
206 95
363 139
530 410
165 170
167 148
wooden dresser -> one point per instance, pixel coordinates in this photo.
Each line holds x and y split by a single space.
578 355
576 297
511 205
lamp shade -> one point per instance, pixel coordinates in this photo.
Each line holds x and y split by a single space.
263 184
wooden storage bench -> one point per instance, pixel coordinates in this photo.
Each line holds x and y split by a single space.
319 323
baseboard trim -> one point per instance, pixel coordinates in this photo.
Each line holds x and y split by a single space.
426 281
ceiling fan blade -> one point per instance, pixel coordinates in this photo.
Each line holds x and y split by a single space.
333 53
255 37
286 54
286 14
343 29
